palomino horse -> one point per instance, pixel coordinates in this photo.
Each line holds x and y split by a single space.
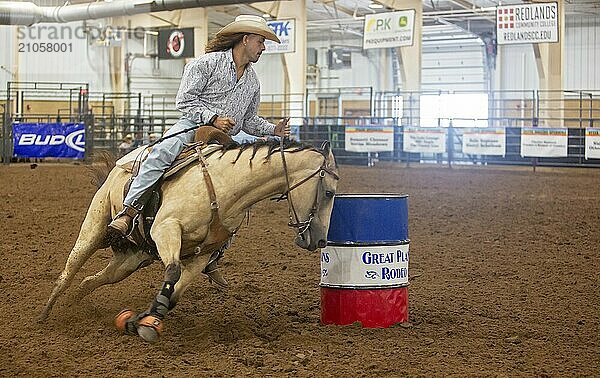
241 176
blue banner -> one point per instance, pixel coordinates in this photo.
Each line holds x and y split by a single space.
60 140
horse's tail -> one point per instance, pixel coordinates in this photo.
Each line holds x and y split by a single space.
102 163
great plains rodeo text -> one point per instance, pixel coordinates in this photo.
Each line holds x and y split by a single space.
373 262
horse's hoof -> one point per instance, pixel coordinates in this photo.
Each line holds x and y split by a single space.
148 334
150 328
122 318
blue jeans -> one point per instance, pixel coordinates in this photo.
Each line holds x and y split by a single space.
158 160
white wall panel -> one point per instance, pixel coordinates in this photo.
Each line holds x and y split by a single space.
150 77
582 53
77 62
7 57
448 66
453 66
269 70
518 68
369 68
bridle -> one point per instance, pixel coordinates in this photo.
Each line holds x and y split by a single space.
295 221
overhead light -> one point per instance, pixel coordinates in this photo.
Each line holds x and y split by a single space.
266 15
374 5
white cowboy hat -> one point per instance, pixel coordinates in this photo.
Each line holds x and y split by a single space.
249 24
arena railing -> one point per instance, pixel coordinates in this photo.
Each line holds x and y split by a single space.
318 129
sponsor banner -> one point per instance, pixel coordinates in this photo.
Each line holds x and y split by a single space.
592 143
424 139
59 140
539 142
391 29
285 30
488 141
176 43
527 23
368 266
369 138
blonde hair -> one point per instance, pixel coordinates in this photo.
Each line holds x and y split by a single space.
224 42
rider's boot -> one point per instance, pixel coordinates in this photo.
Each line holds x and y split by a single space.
212 269
124 220
215 276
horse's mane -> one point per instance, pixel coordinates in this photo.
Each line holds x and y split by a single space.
104 161
272 145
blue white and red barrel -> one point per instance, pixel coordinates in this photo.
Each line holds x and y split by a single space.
364 268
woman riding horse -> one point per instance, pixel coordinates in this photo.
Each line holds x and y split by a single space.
183 226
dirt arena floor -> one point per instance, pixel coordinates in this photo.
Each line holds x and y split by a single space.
504 282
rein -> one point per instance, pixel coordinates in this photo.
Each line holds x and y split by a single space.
295 222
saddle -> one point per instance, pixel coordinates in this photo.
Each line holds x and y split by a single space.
203 146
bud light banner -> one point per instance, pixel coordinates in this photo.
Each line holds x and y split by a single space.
58 140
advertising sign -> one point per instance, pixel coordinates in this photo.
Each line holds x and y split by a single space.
59 140
527 23
285 30
538 142
424 140
391 29
366 266
176 43
592 143
488 141
369 138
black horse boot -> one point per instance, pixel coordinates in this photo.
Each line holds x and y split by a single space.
123 220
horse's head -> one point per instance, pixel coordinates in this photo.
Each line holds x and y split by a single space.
313 202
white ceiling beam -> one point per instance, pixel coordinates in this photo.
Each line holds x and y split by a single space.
335 6
392 4
463 3
270 7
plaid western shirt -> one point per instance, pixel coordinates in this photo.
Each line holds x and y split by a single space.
209 87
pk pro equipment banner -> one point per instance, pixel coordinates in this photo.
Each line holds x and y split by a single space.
391 29
176 43
58 140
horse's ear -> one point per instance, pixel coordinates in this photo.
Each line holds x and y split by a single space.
326 147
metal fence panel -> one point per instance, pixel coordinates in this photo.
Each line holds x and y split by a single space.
323 114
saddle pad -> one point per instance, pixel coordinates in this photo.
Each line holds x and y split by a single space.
190 155
185 158
139 154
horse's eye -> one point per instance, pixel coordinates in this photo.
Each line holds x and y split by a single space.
329 194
